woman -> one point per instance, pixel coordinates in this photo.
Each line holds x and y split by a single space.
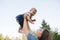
42 34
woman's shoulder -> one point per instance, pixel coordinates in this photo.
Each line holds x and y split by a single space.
31 37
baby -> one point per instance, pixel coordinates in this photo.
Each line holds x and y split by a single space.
20 18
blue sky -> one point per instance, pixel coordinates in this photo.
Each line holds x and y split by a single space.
47 9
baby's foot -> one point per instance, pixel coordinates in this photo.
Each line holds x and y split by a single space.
20 31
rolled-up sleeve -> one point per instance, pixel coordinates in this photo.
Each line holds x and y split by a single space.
31 37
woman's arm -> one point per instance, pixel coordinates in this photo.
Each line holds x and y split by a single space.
26 28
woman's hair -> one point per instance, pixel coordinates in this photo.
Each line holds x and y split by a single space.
45 35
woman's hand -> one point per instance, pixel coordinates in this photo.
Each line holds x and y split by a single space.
26 27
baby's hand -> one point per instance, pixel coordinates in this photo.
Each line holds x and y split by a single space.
33 20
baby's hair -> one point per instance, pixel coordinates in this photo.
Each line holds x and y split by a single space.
33 9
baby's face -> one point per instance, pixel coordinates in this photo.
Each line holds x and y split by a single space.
33 12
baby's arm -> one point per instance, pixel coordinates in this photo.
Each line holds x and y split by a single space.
33 20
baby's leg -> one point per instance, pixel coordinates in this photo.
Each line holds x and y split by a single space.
20 29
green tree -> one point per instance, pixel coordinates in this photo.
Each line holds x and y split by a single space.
55 36
59 37
45 25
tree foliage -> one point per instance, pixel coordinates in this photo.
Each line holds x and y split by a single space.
45 25
54 35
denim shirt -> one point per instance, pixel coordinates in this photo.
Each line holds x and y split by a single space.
31 37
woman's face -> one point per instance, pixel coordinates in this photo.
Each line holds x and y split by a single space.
39 32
